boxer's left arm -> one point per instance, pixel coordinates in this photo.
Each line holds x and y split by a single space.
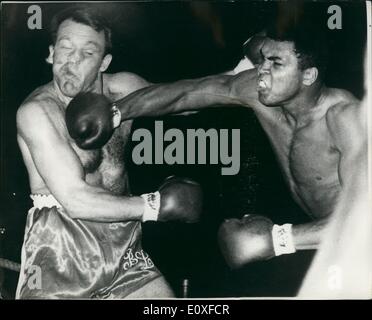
308 236
347 124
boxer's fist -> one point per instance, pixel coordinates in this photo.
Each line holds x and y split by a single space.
181 199
178 199
246 240
90 120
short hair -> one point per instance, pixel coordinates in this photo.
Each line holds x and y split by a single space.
86 15
309 44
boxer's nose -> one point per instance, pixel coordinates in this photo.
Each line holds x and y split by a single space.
75 57
263 67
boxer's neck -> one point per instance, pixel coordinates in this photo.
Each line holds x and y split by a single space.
60 96
305 107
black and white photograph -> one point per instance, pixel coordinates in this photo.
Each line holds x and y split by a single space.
170 150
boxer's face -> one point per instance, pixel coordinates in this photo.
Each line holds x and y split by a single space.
77 57
280 77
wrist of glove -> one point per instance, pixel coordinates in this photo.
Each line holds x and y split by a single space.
116 115
283 241
253 238
152 206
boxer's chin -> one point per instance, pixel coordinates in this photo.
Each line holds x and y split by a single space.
70 89
266 100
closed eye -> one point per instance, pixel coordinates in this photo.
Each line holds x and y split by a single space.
65 46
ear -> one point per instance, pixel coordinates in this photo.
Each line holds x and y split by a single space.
105 62
51 53
309 76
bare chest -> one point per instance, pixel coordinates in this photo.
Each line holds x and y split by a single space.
106 167
312 159
309 163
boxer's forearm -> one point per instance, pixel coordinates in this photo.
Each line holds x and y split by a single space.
309 235
96 204
177 97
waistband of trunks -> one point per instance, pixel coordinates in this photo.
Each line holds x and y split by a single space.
44 201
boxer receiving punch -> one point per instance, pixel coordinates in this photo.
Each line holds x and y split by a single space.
83 234
309 125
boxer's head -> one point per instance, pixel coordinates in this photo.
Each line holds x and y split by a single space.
80 50
293 60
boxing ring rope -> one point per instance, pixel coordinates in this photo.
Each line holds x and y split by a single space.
5 263
10 265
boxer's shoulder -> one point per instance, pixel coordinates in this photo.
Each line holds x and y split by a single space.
40 107
339 97
123 83
343 105
345 118
41 97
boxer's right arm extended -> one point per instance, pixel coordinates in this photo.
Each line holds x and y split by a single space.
196 94
91 118
63 174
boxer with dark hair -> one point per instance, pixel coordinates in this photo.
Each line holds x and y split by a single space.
83 233
84 15
307 123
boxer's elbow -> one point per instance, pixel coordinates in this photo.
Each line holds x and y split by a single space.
206 92
72 206
74 209
216 85
77 202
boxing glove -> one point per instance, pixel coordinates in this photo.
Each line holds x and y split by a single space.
246 240
91 119
178 199
253 238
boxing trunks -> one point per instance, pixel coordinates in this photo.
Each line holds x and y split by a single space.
71 258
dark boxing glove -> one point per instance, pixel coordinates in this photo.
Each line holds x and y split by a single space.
91 119
253 238
178 199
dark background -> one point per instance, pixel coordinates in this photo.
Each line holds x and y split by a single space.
163 42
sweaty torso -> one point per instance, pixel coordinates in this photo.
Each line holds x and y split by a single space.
104 167
307 155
